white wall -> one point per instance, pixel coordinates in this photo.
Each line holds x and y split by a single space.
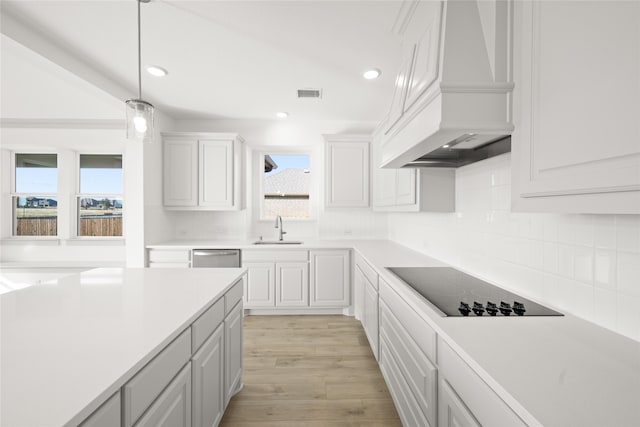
276 135
587 265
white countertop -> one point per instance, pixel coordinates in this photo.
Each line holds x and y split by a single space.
69 344
248 244
552 371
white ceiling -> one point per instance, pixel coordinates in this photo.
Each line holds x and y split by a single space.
227 59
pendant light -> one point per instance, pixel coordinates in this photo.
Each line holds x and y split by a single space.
139 112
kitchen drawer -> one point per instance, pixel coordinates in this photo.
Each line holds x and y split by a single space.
173 406
486 406
416 327
107 415
206 324
419 373
367 270
274 255
158 255
233 295
405 403
149 382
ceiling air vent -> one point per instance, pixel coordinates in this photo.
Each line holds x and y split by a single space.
309 93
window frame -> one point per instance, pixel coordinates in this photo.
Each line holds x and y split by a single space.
13 154
264 151
77 195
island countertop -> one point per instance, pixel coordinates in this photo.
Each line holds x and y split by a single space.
69 344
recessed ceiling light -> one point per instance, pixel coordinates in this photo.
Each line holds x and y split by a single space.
154 70
282 115
371 74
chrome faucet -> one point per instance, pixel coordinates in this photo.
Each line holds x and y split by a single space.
279 227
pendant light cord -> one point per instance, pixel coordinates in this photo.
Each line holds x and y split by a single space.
139 56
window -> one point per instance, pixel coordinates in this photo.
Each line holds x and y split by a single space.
35 201
285 186
99 202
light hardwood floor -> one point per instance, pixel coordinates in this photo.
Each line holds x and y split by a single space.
309 371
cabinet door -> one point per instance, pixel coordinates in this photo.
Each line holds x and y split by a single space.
329 278
426 30
406 187
347 182
216 173
232 353
260 284
451 410
292 284
180 172
577 141
371 317
173 406
207 371
358 294
386 187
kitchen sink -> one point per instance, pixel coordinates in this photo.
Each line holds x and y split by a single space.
277 242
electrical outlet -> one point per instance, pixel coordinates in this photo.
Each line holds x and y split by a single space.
347 232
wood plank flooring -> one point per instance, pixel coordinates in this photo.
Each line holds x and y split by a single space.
309 371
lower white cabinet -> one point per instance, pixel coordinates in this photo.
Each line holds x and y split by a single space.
260 288
173 406
452 411
370 317
329 278
292 284
232 352
169 258
207 371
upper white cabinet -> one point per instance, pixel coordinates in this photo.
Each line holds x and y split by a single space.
577 142
203 171
411 190
347 171
454 78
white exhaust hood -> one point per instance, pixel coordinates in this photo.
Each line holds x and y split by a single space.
456 86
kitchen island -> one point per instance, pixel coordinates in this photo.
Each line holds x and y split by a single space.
70 344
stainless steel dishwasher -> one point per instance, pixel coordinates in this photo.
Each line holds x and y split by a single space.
216 258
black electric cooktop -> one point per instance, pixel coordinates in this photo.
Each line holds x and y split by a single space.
455 293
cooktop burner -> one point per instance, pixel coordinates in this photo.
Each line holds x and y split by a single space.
455 293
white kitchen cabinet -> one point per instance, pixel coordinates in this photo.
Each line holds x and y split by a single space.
180 172
410 189
107 415
358 294
260 287
233 352
169 258
329 284
173 406
292 284
347 171
370 322
577 113
207 370
203 171
452 411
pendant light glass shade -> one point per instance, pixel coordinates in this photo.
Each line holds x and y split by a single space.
139 120
139 112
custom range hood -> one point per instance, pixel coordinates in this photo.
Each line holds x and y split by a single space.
453 100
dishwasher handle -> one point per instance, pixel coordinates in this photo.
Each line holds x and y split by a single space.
214 253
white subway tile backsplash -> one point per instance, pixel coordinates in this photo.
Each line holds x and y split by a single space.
586 265
566 260
583 264
551 258
605 268
628 233
629 274
604 227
